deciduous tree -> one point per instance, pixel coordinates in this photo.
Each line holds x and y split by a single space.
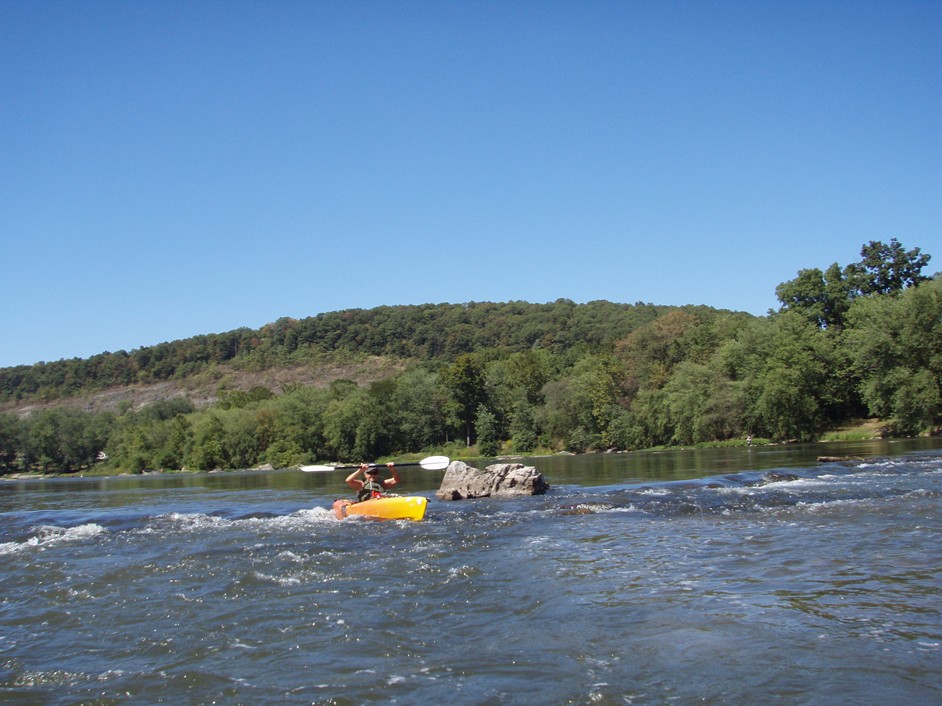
888 269
895 345
465 379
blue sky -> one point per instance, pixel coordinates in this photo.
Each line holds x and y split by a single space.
171 168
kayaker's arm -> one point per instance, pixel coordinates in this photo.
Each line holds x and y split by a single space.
352 479
395 480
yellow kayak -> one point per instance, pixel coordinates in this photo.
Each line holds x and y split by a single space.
395 507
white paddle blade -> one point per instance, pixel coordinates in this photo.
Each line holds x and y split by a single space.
435 463
317 469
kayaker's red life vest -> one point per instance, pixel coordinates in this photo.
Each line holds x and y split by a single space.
371 489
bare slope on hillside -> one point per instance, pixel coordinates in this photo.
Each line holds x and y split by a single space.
204 388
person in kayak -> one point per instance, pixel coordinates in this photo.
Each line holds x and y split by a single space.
371 486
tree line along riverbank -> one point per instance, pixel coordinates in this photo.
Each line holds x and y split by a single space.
854 342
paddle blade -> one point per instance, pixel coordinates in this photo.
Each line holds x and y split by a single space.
435 463
317 469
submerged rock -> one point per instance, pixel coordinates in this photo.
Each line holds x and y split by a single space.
502 480
778 477
839 459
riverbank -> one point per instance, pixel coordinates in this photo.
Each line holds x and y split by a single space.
855 430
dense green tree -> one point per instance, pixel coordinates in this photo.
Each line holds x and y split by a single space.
179 439
83 437
465 379
299 424
376 426
283 453
42 450
794 381
580 405
127 448
530 370
485 427
208 449
895 345
826 297
517 381
888 269
10 435
822 297
702 405
64 439
523 428
241 438
651 351
341 420
419 406
646 423
266 427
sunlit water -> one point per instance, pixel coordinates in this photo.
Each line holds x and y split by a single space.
684 577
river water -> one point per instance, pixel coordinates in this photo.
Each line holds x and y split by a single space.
747 576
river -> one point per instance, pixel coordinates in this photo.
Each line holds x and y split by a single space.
737 576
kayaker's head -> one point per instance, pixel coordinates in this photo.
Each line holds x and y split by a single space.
371 471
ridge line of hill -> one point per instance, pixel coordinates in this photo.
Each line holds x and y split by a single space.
316 345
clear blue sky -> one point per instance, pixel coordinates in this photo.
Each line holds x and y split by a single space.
169 169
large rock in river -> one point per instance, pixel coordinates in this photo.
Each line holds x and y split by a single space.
502 480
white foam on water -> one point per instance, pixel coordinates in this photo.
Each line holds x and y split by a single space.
919 493
736 490
49 678
828 504
200 522
296 520
110 674
600 509
49 536
195 521
279 580
430 545
462 572
793 486
654 492
541 539
621 509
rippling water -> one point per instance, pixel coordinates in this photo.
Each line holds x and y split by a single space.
741 577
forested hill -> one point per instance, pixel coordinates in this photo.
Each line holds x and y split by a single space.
863 340
424 333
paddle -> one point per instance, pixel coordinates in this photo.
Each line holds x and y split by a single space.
432 463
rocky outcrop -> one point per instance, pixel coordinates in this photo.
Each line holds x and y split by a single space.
502 480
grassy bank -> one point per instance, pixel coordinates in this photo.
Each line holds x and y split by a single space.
856 430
